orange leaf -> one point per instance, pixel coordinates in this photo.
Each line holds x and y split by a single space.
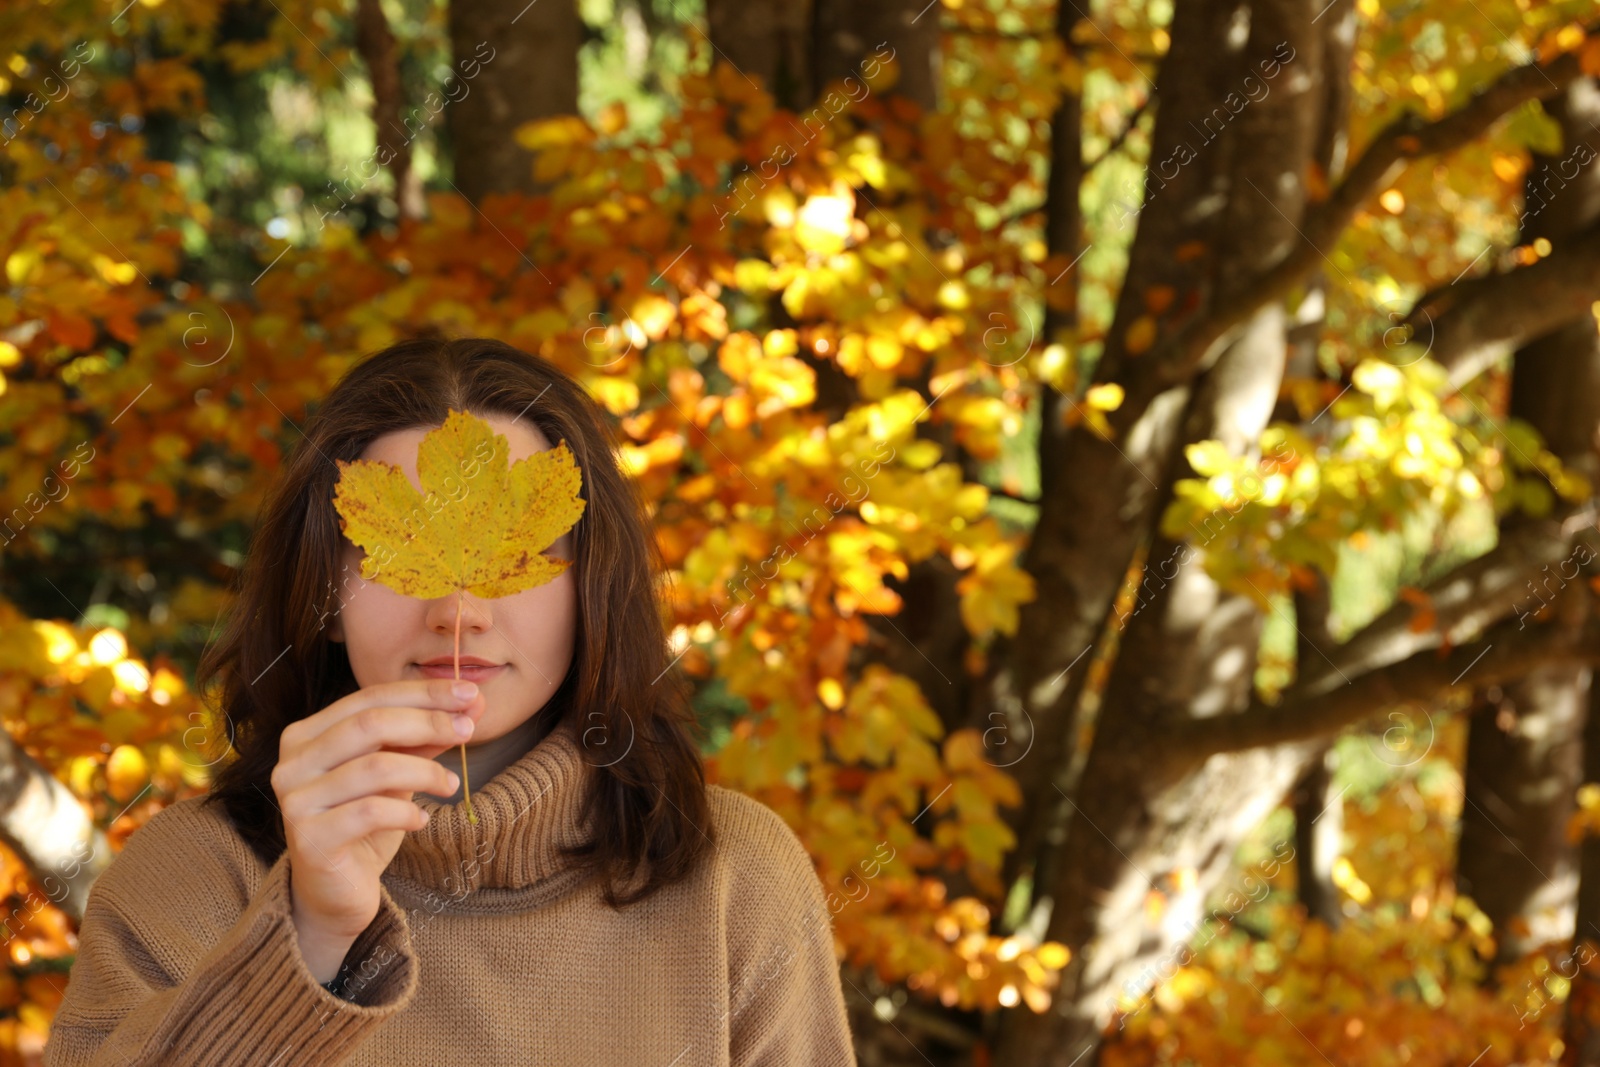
74 331
1426 618
1158 298
1141 335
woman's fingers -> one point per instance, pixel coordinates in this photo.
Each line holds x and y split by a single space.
372 729
364 817
390 773
435 693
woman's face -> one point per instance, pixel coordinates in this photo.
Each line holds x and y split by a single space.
528 637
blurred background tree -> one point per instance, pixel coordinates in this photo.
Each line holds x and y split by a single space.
1128 469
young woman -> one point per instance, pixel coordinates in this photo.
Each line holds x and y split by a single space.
330 902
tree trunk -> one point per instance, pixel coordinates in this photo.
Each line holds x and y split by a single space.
1190 648
1581 1025
516 61
1318 842
796 49
1522 769
845 33
1318 809
1524 747
769 40
376 43
50 832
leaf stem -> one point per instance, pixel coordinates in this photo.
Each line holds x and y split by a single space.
472 816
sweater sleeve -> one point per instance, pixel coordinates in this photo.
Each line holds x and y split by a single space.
180 964
785 1003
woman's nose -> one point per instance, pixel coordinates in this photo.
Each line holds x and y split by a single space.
475 614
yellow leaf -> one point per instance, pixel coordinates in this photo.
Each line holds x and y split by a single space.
487 540
991 594
823 224
20 266
1106 396
126 772
780 343
619 395
1053 955
654 314
613 118
559 132
1208 457
751 275
782 383
1141 335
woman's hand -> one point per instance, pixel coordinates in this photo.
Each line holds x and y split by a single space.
344 781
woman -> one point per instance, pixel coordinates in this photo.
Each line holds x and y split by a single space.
607 906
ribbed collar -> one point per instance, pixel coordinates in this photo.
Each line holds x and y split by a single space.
526 813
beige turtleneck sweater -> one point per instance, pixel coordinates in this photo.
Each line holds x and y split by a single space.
485 952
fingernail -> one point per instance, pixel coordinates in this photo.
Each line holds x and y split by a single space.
455 781
463 725
465 690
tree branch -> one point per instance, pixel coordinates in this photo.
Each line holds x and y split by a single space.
1390 661
1509 652
1470 325
1466 602
375 41
1116 144
1121 138
49 830
1194 346
960 29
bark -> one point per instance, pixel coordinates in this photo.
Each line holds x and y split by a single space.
768 40
1190 650
1581 1024
1522 767
845 33
1009 731
376 43
517 61
1095 494
1475 323
1318 841
1318 808
1181 731
1525 742
50 832
1197 341
796 49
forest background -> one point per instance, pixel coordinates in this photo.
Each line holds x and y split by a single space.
1128 469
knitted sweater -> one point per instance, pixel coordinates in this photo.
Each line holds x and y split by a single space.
487 949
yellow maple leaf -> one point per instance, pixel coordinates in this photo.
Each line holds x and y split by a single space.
992 593
488 540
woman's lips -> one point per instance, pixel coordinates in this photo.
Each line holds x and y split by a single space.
469 672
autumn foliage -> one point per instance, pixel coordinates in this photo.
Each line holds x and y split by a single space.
684 304
764 301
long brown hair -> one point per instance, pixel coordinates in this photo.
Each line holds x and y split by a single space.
274 664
